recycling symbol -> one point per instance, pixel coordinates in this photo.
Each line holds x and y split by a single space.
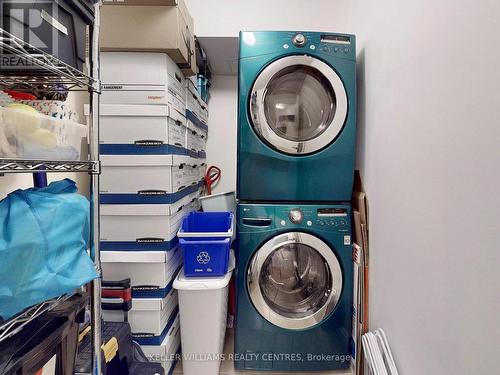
203 257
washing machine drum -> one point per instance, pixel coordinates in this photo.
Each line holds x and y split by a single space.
294 280
298 105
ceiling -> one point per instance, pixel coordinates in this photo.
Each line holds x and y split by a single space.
222 53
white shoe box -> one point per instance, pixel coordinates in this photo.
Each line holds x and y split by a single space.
196 194
142 78
141 95
141 226
137 177
201 141
142 127
195 104
192 142
193 174
151 272
202 171
148 316
168 351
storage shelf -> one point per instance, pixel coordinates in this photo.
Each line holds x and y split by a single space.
15 324
48 70
42 166
49 74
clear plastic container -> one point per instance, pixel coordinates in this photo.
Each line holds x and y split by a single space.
27 134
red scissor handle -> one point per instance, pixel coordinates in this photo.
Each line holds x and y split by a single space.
212 177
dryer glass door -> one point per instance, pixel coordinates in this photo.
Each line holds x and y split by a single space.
294 280
298 105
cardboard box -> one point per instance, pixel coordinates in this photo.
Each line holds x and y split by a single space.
142 78
194 103
165 29
151 315
151 273
141 129
167 353
141 226
144 179
193 175
148 316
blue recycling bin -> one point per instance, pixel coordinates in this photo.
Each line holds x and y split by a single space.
205 238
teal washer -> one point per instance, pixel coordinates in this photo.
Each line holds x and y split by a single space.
294 284
296 116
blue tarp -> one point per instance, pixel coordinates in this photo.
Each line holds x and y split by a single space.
44 236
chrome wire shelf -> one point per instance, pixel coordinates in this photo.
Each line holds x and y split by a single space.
48 70
16 324
42 166
46 73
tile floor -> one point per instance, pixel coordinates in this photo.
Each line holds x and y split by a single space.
227 367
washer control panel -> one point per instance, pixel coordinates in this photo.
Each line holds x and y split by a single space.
326 217
332 217
288 216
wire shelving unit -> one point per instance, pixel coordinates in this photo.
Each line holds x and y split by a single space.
52 73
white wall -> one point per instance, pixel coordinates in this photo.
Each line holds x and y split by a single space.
429 140
221 145
228 17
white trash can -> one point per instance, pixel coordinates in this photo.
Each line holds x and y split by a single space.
203 316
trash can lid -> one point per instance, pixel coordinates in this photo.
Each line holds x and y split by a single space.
182 282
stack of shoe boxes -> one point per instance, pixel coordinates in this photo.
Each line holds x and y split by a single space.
196 135
150 180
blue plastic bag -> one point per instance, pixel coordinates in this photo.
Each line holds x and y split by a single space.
44 236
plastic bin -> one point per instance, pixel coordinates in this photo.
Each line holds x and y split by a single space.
31 135
58 28
205 238
219 202
203 314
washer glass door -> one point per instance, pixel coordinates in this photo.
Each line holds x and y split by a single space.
294 280
298 105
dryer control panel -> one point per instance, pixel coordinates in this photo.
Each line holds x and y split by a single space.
259 43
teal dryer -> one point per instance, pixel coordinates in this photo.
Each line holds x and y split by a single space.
294 285
296 116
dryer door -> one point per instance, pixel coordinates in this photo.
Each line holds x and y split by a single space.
298 105
294 280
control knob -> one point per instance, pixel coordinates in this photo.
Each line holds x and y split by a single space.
299 40
296 216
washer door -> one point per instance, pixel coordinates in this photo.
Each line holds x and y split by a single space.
298 105
294 280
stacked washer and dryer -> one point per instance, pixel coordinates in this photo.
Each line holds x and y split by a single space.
296 155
